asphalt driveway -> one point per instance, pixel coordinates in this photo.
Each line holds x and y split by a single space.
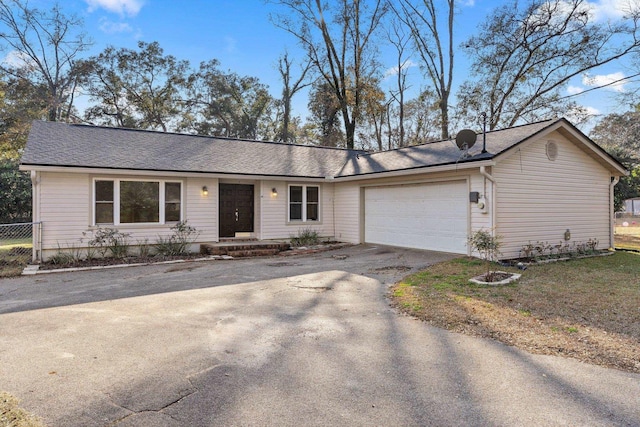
304 340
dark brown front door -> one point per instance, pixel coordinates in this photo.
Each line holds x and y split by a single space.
236 209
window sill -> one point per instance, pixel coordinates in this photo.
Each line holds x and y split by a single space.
300 222
135 225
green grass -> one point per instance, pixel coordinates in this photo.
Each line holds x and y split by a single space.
7 244
583 308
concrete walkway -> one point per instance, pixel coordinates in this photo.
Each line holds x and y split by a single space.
307 340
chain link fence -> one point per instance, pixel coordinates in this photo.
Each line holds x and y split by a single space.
16 245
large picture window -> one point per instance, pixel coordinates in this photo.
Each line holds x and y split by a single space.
120 201
304 203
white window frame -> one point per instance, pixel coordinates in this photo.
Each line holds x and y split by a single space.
116 200
304 203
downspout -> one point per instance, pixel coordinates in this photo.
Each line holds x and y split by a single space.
492 204
35 216
614 181
262 191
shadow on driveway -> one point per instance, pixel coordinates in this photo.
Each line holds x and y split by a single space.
69 288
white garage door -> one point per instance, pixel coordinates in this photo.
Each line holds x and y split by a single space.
427 216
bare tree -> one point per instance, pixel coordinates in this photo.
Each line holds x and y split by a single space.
523 57
398 37
422 118
290 86
339 40
43 47
434 44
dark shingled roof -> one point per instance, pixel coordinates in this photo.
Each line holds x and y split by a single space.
440 153
59 144
68 145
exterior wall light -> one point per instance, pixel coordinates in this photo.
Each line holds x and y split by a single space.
274 191
205 191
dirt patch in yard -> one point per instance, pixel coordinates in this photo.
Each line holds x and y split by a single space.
587 309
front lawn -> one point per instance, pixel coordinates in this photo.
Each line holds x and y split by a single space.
588 309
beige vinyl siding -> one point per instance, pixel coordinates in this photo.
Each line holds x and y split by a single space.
65 209
347 212
481 220
273 209
539 199
201 211
274 223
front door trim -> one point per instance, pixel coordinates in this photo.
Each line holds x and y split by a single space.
236 209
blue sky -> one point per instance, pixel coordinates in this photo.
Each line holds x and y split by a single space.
241 36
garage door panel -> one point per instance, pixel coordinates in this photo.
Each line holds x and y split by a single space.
428 216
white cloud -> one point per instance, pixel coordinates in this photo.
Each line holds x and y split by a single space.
18 60
592 111
393 71
111 27
611 10
574 90
469 3
121 7
605 79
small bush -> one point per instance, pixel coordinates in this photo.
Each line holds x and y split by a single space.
306 237
543 250
110 240
488 246
144 248
62 258
179 242
67 256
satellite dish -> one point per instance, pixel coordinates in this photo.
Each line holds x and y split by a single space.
465 139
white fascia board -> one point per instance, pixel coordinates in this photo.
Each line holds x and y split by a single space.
416 171
137 172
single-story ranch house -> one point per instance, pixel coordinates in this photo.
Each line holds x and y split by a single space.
533 183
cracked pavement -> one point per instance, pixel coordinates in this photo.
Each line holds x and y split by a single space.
276 341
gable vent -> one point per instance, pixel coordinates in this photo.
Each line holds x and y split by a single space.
552 150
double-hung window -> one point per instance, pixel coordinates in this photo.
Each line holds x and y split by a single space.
120 201
304 203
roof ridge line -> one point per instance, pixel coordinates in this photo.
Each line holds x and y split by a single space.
225 138
453 139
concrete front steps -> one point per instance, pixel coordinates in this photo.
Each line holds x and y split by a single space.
243 248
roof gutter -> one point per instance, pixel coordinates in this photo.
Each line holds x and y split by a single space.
492 204
613 183
156 173
452 167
